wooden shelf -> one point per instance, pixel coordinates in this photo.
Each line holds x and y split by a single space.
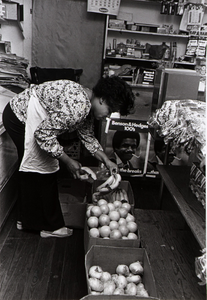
139 85
184 63
157 2
133 58
176 179
149 60
149 33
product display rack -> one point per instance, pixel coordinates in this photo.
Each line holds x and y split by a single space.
111 31
138 10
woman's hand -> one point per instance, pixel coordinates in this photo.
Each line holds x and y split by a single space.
111 166
73 166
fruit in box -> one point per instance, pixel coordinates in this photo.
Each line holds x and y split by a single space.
123 282
110 186
116 221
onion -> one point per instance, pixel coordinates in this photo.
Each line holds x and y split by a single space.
109 288
140 286
96 284
136 268
119 291
95 272
134 278
95 293
131 289
142 292
121 281
106 276
122 269
114 278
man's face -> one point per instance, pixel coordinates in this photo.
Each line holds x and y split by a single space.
126 149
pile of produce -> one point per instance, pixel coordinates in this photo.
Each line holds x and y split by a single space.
111 196
183 123
127 280
109 189
87 174
111 220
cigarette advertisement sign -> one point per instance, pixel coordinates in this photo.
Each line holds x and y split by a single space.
130 145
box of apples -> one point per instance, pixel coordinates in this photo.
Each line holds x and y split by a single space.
110 218
119 273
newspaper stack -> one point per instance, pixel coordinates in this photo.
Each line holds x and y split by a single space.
13 70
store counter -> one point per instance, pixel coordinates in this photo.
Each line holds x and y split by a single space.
8 163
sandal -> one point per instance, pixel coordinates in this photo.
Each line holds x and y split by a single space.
60 233
19 225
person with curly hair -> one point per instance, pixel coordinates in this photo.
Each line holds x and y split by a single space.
124 144
35 119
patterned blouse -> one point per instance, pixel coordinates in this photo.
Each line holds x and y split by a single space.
67 106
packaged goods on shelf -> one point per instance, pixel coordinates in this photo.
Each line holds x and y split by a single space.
200 267
117 24
131 26
183 123
198 183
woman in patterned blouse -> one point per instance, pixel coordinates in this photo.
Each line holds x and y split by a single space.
34 119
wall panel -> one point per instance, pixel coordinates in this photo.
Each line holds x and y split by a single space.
65 35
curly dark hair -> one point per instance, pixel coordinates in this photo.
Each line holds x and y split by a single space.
117 94
119 136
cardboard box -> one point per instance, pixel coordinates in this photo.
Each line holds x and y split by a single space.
73 201
108 258
89 241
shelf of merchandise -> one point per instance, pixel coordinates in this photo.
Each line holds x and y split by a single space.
153 38
147 60
149 33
